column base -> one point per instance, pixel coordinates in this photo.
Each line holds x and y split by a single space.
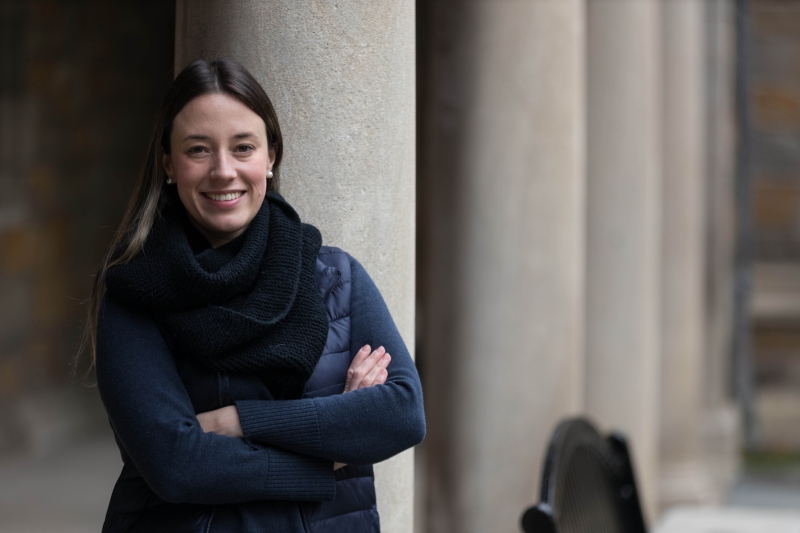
688 482
705 480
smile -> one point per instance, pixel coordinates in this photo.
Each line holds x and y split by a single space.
223 197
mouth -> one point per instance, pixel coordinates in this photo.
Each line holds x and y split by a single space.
223 196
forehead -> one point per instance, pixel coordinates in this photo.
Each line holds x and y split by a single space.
216 115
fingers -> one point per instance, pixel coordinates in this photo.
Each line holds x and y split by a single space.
367 370
362 354
370 379
359 371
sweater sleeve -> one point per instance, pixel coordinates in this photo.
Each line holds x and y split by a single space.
360 427
154 420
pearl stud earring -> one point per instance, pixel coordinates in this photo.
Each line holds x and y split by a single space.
269 174
169 181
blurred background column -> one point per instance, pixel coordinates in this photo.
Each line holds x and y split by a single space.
624 228
722 424
501 183
342 79
684 476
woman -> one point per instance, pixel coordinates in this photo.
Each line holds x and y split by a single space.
233 350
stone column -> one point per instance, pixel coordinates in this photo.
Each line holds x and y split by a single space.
722 422
342 78
624 227
684 476
502 222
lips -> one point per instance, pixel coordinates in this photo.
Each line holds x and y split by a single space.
224 196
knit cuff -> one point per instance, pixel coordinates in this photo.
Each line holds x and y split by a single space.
291 424
300 477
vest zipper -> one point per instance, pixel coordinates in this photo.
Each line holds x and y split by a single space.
304 518
210 518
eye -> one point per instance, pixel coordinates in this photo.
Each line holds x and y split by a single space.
244 148
198 149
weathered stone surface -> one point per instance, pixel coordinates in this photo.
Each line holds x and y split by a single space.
341 76
721 429
684 474
502 226
624 227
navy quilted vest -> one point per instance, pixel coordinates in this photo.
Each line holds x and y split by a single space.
136 508
353 510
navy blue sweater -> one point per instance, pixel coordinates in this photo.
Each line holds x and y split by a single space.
289 446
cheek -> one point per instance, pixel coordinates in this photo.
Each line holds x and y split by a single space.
187 175
187 171
256 176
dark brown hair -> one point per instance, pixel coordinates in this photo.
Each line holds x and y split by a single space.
222 76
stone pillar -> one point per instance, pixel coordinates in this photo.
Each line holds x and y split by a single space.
502 223
624 230
722 420
342 78
684 476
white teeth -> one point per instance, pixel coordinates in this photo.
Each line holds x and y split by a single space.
224 197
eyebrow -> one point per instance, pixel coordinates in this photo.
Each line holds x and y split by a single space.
201 137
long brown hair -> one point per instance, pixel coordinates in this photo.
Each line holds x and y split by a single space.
221 75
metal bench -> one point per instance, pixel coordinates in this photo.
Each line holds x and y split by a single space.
588 485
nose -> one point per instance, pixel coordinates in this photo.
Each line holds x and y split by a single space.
223 166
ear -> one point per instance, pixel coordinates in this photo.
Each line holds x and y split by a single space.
271 160
166 162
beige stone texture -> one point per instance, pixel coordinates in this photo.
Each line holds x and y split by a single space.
722 427
624 228
684 477
341 76
502 220
721 144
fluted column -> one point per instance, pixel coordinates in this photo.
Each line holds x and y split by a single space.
684 476
341 76
624 230
502 223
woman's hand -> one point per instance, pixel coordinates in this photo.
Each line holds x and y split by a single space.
223 421
367 369
226 422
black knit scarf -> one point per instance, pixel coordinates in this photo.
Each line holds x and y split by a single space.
249 306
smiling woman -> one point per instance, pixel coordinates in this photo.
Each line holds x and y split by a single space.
220 162
225 337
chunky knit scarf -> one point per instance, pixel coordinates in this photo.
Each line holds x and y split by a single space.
249 306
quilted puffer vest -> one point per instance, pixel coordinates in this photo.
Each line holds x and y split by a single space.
353 510
136 508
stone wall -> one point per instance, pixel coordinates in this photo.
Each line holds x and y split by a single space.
775 96
79 87
775 100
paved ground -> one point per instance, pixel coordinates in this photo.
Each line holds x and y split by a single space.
730 520
65 492
773 488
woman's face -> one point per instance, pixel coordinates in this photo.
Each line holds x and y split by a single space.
219 163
